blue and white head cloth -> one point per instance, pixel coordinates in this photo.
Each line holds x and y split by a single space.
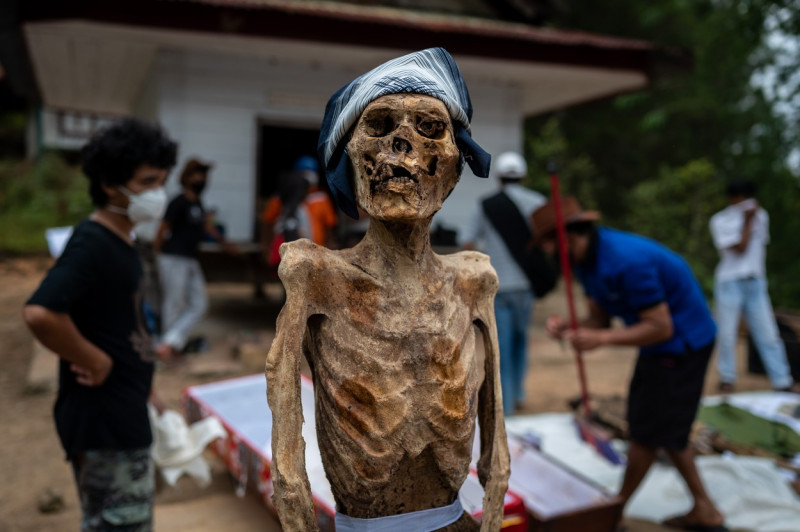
432 72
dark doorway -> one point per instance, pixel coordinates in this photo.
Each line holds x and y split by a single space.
278 148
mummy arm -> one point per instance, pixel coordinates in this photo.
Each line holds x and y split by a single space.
493 464
292 497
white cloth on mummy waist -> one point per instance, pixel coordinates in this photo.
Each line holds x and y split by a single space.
422 521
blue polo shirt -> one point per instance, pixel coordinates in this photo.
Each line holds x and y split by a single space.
630 273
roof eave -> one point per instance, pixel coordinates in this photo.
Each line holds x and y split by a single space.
368 26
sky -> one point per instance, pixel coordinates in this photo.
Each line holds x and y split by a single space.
785 94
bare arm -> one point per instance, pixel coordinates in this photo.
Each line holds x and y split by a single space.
156 401
596 319
161 233
493 465
292 496
211 229
57 332
654 326
214 233
747 230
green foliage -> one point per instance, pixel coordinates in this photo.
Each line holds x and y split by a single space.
656 161
35 196
575 172
15 121
782 200
686 197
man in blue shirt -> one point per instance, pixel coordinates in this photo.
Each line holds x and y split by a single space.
652 289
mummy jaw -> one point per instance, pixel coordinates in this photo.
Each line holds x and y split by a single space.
390 177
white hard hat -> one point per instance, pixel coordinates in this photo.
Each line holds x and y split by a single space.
510 165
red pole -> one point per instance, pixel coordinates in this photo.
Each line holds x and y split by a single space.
555 193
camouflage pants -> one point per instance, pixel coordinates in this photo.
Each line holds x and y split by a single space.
116 490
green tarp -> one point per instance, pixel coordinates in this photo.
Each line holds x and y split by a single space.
741 426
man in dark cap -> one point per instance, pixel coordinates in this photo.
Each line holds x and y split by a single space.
177 241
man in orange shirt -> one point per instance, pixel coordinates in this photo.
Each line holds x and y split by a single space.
321 213
318 211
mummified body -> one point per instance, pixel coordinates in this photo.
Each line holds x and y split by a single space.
390 331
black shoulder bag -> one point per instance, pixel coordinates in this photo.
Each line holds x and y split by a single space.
513 229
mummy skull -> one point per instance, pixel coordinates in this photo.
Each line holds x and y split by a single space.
404 157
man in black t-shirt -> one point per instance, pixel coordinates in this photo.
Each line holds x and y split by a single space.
88 310
183 287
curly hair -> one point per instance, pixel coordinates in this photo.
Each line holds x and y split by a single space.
114 153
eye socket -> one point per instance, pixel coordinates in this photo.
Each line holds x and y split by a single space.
432 129
379 126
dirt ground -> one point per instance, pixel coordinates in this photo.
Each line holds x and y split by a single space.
32 462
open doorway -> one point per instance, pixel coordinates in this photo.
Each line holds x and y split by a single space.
279 146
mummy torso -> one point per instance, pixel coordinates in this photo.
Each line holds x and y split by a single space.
396 382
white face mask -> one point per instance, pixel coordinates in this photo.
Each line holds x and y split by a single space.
145 206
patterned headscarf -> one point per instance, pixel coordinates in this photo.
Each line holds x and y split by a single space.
432 72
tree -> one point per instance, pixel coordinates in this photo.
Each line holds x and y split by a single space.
662 168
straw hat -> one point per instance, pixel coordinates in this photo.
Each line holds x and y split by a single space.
544 218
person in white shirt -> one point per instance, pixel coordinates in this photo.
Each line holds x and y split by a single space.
741 234
513 304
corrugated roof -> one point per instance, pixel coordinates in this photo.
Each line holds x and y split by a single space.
432 21
476 8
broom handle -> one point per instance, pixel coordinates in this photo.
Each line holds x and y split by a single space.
555 193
